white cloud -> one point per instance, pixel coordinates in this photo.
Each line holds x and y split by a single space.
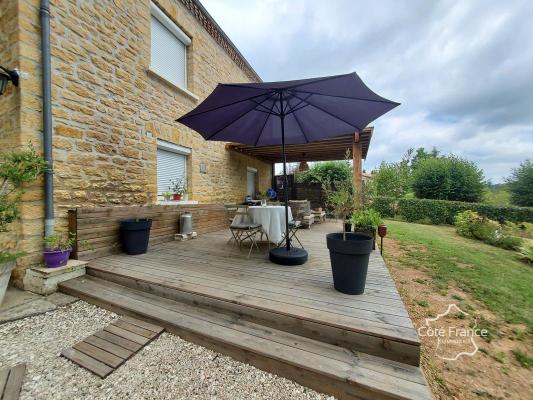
462 70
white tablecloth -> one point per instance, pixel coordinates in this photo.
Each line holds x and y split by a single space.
271 218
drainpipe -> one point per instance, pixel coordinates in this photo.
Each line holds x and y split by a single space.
44 13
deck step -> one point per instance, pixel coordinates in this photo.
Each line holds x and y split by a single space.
373 337
324 367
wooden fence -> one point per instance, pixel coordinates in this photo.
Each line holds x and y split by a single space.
97 229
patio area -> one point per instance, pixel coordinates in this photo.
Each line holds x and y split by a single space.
285 320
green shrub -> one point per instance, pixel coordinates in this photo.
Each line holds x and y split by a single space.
366 219
472 225
386 206
526 252
444 212
448 178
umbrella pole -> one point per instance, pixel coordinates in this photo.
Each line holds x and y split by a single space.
285 180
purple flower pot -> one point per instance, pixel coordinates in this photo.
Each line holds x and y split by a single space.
56 258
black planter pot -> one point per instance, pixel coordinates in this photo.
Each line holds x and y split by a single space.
134 234
347 227
369 232
349 261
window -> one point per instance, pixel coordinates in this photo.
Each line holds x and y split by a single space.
171 165
169 48
251 178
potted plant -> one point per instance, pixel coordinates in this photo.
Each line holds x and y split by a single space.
167 195
16 169
349 252
57 249
134 235
366 222
178 188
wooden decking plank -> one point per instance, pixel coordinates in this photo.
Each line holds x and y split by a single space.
87 362
299 288
134 328
4 374
109 347
352 322
127 334
119 341
326 367
143 324
99 354
130 299
13 385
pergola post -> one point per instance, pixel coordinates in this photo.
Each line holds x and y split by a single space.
357 154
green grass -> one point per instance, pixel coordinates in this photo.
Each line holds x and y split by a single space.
493 276
523 359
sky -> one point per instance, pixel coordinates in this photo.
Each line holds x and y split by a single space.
463 70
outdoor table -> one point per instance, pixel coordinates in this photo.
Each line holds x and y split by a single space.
271 218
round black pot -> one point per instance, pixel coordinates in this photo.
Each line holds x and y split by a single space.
349 261
134 234
347 227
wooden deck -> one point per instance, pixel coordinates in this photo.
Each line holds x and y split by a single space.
295 306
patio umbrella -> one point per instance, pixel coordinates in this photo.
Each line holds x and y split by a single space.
289 112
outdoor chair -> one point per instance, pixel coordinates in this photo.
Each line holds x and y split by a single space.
301 211
319 215
244 229
231 209
293 230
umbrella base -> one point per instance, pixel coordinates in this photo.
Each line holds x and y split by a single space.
295 256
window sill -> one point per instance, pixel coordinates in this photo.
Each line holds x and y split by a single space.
184 91
176 202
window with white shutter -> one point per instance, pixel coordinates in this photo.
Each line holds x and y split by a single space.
168 48
171 165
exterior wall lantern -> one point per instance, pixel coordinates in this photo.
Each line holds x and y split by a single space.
7 75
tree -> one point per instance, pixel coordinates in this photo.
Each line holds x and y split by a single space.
448 178
391 179
520 184
324 172
421 154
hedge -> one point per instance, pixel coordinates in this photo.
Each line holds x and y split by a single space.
444 211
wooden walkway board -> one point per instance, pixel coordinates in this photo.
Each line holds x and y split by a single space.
11 382
111 347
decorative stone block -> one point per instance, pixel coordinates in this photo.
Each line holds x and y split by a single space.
44 280
185 236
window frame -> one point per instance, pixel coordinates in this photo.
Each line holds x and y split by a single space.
177 149
174 29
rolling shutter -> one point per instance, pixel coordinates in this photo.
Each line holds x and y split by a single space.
169 54
170 166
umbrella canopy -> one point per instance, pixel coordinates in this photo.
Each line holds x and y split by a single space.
289 112
313 109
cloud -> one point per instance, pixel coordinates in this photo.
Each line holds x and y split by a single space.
462 70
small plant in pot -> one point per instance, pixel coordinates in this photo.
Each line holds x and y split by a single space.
178 188
366 222
57 249
135 234
167 196
349 252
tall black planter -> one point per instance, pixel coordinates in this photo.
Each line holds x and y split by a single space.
134 234
349 261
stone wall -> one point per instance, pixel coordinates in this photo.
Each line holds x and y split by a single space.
10 100
109 110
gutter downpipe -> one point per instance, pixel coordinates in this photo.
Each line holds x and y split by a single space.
44 13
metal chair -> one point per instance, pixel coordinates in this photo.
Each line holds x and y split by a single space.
244 229
293 230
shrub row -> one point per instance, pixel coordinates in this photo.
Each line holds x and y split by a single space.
443 211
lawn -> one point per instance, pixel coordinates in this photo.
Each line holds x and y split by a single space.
495 277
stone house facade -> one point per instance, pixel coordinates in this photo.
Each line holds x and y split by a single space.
114 103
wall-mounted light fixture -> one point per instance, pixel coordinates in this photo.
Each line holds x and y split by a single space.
7 75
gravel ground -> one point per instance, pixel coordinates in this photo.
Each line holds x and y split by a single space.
168 368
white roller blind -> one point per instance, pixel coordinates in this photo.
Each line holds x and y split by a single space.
169 54
170 166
